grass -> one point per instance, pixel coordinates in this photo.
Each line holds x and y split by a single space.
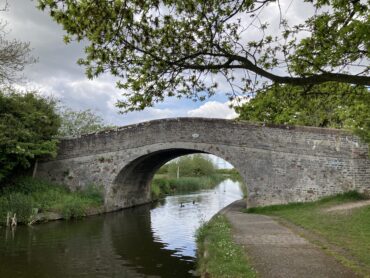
28 197
218 255
163 185
350 231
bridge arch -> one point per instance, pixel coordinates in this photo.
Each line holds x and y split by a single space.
280 164
131 186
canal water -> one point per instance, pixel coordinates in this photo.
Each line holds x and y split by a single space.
156 240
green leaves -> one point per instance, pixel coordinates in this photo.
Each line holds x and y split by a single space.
191 166
28 124
334 105
174 48
337 38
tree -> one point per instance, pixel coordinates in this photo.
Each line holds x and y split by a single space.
76 123
14 55
191 166
28 125
182 48
328 105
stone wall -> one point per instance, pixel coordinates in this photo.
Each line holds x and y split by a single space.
280 164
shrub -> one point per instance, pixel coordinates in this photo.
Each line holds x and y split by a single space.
4 204
28 123
28 196
73 207
163 186
17 203
160 187
190 166
94 193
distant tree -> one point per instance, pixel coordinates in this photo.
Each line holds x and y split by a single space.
191 166
202 166
14 55
183 48
28 125
183 164
76 123
334 105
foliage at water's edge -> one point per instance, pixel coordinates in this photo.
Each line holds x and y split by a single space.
217 255
27 197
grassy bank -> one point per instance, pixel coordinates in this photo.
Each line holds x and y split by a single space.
28 197
347 230
163 185
230 173
218 255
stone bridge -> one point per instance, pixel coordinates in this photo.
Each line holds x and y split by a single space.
279 164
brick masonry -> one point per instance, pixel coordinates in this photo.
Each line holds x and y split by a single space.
280 164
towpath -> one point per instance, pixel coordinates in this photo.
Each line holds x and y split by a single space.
276 251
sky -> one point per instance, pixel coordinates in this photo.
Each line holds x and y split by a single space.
57 74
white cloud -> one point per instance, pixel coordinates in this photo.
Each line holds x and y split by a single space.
57 73
148 115
213 109
216 109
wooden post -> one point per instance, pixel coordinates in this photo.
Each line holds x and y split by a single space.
8 219
14 220
35 168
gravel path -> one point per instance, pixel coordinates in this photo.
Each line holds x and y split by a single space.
275 251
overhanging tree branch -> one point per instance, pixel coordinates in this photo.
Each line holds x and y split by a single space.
170 48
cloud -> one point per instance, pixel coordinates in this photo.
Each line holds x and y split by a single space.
27 23
213 109
217 109
148 115
57 73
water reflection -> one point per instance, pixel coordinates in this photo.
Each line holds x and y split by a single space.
175 225
147 241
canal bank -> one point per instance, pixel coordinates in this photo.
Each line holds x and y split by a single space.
273 250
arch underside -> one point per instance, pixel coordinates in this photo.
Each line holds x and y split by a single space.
132 184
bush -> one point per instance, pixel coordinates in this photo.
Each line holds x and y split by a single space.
190 166
27 196
17 203
187 184
76 123
73 207
160 187
164 186
93 192
3 209
28 123
29 185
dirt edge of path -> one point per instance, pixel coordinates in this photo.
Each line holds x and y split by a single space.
348 206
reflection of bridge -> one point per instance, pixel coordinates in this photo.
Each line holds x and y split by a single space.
279 164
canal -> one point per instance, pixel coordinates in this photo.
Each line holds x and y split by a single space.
156 240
